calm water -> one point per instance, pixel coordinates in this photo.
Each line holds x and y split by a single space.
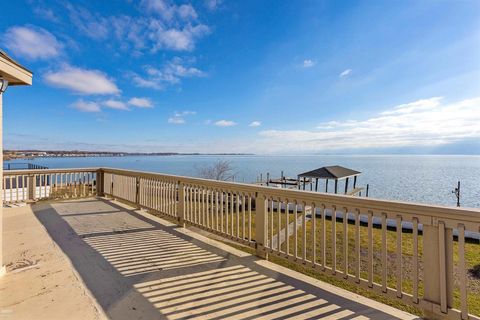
426 179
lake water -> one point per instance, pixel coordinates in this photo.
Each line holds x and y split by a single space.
424 179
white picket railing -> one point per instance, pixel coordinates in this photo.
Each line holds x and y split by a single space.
345 236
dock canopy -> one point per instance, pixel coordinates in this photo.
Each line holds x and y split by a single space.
330 173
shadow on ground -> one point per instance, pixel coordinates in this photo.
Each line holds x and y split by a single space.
138 268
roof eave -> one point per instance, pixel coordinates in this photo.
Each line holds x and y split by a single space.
13 72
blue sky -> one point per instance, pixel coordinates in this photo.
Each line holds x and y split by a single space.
245 76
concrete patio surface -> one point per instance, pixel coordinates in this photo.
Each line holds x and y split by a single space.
40 282
137 266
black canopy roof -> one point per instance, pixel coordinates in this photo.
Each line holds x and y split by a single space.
330 172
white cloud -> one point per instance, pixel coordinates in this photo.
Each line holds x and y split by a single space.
187 12
32 43
255 124
160 7
178 39
171 73
425 122
424 104
345 73
82 81
115 104
308 63
86 106
176 120
212 5
162 26
179 116
225 123
140 102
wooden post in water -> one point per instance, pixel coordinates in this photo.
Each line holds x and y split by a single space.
456 192
268 178
366 193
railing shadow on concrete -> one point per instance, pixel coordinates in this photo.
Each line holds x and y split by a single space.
383 246
135 266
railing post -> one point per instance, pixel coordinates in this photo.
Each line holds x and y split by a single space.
32 188
438 266
100 181
181 204
261 235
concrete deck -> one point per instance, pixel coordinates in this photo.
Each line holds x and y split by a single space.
40 282
140 267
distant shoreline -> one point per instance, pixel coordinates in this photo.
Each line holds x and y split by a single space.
33 154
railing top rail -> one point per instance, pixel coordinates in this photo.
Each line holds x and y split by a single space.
337 200
46 171
369 204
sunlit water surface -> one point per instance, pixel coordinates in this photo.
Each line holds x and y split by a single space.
425 179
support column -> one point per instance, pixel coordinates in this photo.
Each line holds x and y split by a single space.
346 186
261 235
100 183
438 260
2 267
31 188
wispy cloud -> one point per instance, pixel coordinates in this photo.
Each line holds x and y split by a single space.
169 74
225 123
308 63
345 73
163 26
255 124
44 13
212 5
82 81
32 43
116 104
86 106
425 122
179 117
176 120
140 102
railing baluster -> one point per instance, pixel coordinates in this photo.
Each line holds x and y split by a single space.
279 224
244 209
237 197
370 249
272 233
314 232
384 252
323 248
357 246
415 260
287 227
304 232
399 256
232 213
345 242
461 271
334 240
295 230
